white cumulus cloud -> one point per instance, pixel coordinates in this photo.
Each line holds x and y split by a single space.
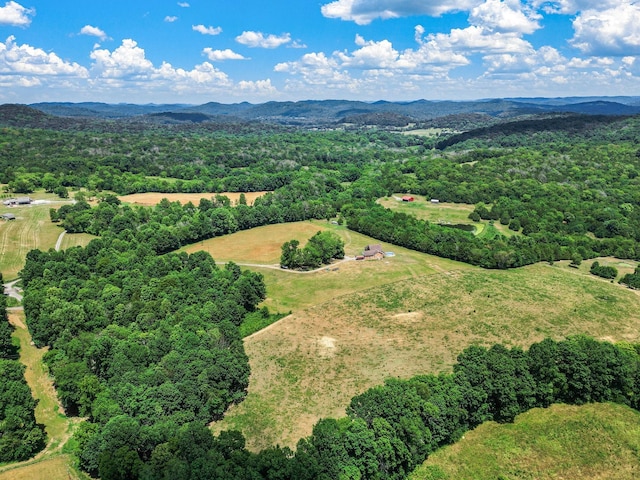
27 60
220 55
15 14
259 39
183 4
128 63
364 12
170 18
614 31
570 7
207 30
370 55
93 31
260 87
505 16
479 40
125 61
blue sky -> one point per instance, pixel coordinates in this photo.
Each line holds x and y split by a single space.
196 51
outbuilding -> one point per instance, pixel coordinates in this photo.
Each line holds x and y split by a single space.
18 201
408 198
8 216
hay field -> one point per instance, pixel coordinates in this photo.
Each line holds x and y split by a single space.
31 229
594 441
152 198
310 364
76 240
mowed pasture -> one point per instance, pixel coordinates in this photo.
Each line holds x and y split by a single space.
152 198
76 240
442 212
31 229
288 290
398 324
594 441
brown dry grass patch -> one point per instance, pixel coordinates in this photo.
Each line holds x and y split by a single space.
56 468
258 245
414 326
153 198
76 240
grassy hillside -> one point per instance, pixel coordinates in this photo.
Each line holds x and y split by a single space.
595 441
287 290
403 316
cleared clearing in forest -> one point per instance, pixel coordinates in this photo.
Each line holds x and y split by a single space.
31 229
152 198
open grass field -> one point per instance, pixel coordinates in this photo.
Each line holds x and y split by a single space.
76 240
594 441
288 290
152 198
428 132
310 364
54 468
49 464
31 229
452 213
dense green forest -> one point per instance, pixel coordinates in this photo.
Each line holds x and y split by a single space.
568 186
145 342
140 344
20 436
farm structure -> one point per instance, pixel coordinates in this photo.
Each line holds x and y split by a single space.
18 201
8 216
408 198
435 200
373 252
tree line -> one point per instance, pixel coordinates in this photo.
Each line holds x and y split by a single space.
391 429
20 436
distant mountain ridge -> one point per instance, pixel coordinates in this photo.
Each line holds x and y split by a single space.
326 112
